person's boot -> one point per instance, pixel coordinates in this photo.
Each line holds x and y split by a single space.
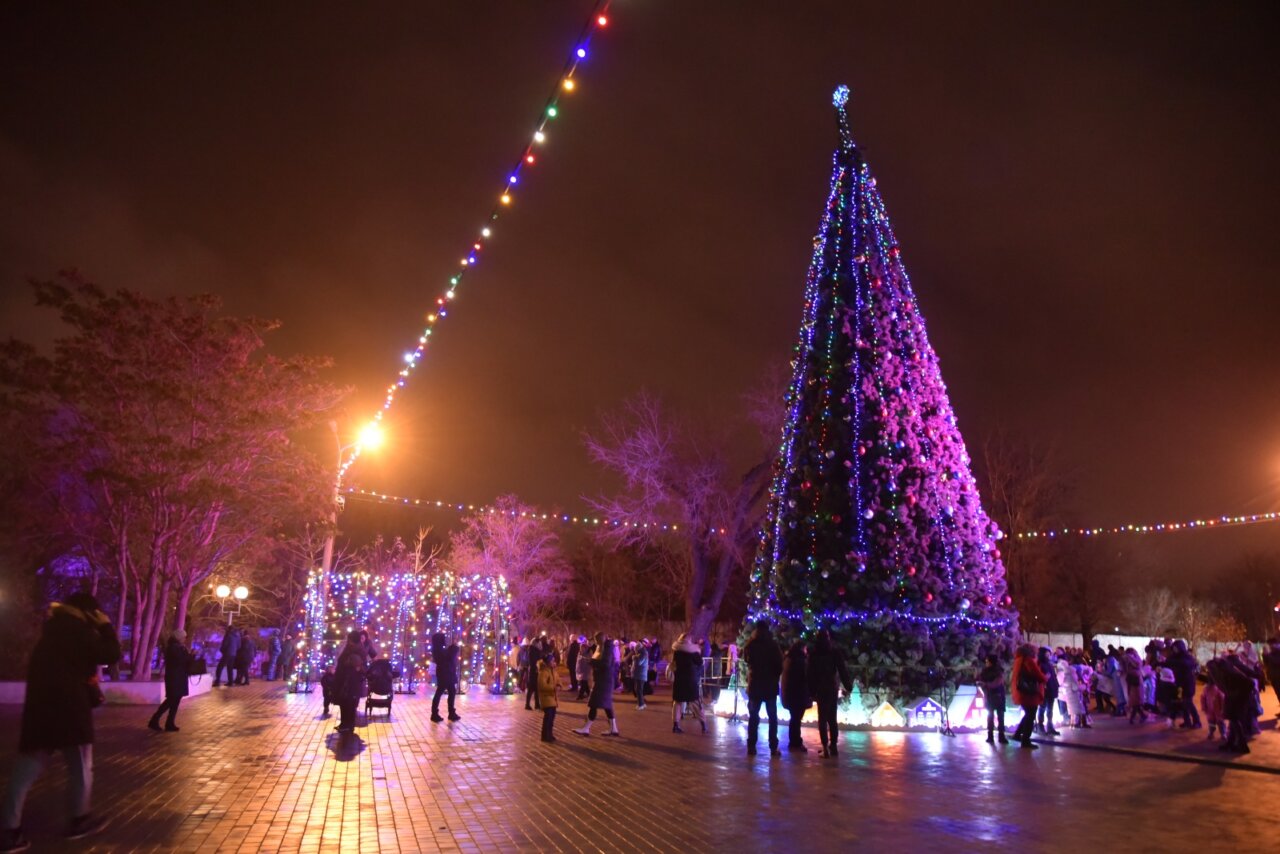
454 716
991 738
613 727
675 727
435 715
170 726
751 748
826 750
154 723
585 729
1027 744
1002 739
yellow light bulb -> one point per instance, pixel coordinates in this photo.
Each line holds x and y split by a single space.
569 85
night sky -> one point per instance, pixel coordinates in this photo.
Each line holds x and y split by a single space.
1086 196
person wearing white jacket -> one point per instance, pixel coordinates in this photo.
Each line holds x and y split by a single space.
1069 679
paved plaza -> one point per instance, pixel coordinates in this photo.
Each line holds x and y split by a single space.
255 769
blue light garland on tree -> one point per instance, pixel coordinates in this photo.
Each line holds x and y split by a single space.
874 527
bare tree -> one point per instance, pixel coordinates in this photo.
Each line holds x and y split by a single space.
1151 611
512 540
680 477
1024 489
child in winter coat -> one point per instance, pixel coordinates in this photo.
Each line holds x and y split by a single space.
1211 700
547 687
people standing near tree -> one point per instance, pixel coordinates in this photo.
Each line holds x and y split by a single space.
445 657
1044 714
640 671
795 694
604 669
1028 692
177 667
274 648
229 649
532 656
686 682
764 669
827 673
287 656
1184 667
1132 665
244 658
348 681
1069 680
548 685
584 669
57 713
991 681
571 661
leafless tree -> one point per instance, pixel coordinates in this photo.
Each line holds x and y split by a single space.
512 540
1150 611
681 477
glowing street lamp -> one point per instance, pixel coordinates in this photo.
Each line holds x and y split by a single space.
237 597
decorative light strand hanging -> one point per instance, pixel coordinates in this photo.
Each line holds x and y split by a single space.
1224 521
566 84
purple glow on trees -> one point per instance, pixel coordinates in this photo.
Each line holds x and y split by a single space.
874 527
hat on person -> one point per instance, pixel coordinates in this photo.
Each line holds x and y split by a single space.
179 635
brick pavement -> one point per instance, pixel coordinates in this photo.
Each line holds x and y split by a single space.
257 770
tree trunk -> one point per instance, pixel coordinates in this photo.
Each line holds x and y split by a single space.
184 602
142 624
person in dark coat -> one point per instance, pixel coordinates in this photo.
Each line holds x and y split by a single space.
287 656
827 672
348 681
571 659
1271 666
795 693
764 669
177 667
274 648
604 672
991 681
229 650
686 684
57 713
533 655
1185 668
445 657
1044 713
244 658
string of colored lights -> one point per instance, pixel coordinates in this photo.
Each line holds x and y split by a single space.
565 84
599 521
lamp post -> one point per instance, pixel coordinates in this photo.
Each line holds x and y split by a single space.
370 437
238 596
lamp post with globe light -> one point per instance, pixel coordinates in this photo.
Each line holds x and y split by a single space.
237 596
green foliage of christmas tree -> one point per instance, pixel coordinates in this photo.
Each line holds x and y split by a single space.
874 528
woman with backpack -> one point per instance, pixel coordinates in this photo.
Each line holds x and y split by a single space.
348 680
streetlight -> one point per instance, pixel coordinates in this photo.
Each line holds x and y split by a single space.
370 436
224 591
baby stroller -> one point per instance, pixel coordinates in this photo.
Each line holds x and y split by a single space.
381 679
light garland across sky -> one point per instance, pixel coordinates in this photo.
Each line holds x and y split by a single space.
604 522
566 84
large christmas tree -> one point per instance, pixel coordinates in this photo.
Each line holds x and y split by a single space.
875 529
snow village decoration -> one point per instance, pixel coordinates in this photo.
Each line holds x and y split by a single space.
402 611
925 712
887 716
874 527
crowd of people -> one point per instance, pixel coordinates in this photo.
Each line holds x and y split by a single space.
1162 682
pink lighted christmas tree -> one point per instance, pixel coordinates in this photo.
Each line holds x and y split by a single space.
875 529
